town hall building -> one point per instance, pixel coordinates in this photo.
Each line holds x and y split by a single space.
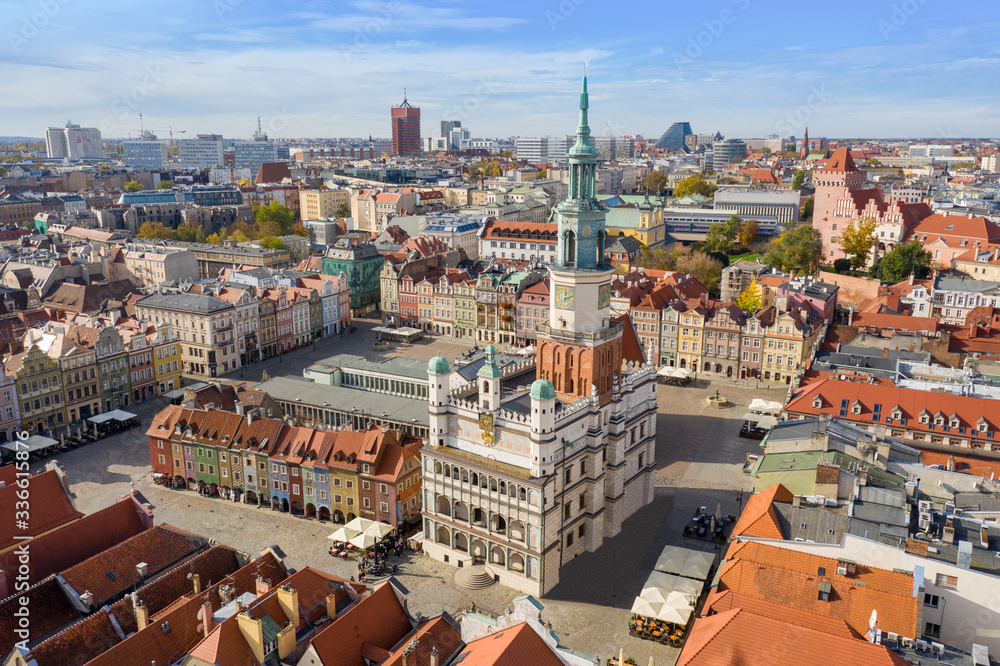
518 481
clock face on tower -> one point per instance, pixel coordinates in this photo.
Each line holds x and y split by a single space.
604 296
564 297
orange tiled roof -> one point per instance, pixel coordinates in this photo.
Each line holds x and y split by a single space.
378 620
50 508
841 161
739 637
759 518
513 646
791 578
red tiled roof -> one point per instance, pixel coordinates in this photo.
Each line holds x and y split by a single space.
74 542
897 322
50 508
438 634
841 161
513 646
718 602
791 578
113 571
631 347
741 638
50 609
378 619
759 518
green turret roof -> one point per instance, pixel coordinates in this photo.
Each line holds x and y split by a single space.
438 366
542 389
490 369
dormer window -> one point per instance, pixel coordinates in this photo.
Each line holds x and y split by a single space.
982 425
856 407
818 402
925 418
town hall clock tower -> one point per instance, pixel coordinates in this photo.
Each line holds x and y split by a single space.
580 349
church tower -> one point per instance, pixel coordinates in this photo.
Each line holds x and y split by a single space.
804 153
580 349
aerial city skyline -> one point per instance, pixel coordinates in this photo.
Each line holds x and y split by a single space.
325 72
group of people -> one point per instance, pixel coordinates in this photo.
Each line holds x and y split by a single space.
376 561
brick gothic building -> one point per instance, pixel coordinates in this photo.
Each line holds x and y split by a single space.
522 481
841 197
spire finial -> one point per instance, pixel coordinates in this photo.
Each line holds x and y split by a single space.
586 66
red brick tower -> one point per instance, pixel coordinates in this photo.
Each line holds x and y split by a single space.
406 129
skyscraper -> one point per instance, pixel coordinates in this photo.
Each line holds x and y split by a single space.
524 480
74 142
406 129
674 137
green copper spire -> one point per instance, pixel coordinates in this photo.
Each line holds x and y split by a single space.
583 147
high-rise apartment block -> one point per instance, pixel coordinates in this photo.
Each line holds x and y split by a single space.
203 152
145 153
74 142
406 130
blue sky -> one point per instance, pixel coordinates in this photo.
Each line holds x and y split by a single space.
914 68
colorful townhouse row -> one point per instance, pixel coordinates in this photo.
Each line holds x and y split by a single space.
329 475
62 373
248 316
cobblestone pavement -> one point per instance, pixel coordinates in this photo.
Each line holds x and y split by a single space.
698 463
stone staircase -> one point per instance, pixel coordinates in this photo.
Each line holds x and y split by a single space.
474 578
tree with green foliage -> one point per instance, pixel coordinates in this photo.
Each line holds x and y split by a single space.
301 230
694 184
155 231
280 215
164 184
752 298
975 166
343 210
133 186
655 182
239 237
722 235
858 240
748 233
214 239
904 259
800 178
660 260
799 249
703 268
187 232
806 209
272 243
202 234
3 172
871 162
842 266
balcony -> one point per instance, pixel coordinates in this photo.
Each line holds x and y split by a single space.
615 329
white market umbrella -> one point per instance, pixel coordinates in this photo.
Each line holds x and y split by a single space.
658 579
360 524
363 540
758 405
343 533
378 530
671 559
674 615
655 595
688 587
767 422
775 407
646 608
697 565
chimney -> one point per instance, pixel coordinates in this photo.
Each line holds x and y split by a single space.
288 599
205 615
196 581
142 569
262 586
434 656
141 617
87 598
912 277
253 631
